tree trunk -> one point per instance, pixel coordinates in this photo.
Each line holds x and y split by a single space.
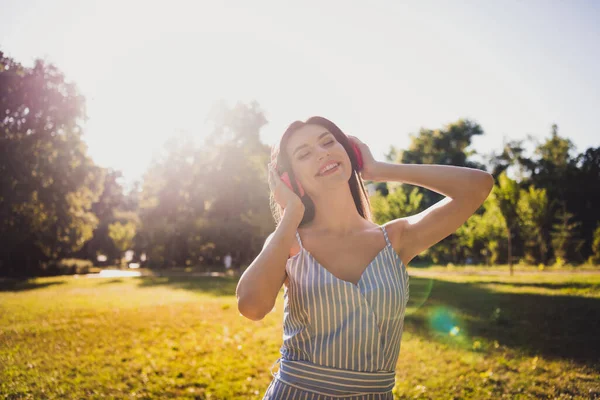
510 264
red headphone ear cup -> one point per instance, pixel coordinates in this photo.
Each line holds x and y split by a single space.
358 155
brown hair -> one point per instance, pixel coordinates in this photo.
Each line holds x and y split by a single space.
357 188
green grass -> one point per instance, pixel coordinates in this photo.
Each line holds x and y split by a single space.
534 335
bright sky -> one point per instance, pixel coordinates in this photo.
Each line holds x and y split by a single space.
380 70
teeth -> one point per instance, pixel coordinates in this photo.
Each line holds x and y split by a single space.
329 167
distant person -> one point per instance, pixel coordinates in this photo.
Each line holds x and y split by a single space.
227 262
345 276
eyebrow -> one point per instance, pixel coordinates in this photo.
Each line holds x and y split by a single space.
305 145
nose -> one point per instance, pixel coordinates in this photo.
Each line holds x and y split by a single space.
323 153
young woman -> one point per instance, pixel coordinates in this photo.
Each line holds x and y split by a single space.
345 277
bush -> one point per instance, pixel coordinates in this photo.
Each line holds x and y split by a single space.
68 266
595 257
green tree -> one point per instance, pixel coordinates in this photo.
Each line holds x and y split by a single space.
172 203
201 201
507 194
47 181
513 156
565 241
447 146
396 204
583 196
483 233
112 200
122 236
239 217
595 257
532 211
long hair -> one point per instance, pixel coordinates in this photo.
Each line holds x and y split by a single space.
279 154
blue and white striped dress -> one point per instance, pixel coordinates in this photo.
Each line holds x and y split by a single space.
341 340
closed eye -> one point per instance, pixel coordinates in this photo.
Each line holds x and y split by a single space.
327 144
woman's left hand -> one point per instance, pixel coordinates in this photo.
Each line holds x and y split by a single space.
369 164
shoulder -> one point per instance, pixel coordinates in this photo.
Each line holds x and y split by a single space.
294 249
396 231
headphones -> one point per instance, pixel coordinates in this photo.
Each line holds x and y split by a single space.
285 177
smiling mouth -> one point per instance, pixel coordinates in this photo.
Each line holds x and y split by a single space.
329 170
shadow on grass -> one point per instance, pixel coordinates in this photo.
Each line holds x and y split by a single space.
563 327
109 281
545 285
213 285
17 285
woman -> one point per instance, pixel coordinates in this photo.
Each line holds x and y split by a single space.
345 277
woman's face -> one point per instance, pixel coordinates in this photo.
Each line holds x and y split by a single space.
318 160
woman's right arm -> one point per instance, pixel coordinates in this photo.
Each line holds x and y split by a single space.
260 283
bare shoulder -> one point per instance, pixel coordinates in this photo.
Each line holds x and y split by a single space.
295 249
396 233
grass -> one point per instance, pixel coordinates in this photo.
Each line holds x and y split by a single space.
534 335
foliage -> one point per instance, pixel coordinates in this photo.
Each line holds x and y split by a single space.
532 213
47 181
483 234
198 203
565 241
595 257
396 204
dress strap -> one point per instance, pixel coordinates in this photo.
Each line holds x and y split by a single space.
299 241
387 240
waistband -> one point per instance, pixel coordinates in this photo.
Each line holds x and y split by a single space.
333 381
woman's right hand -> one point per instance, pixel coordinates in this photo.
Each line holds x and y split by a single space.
284 196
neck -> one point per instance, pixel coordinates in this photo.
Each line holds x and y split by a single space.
335 212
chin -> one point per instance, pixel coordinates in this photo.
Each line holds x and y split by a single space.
334 181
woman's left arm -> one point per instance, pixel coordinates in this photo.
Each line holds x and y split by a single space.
465 190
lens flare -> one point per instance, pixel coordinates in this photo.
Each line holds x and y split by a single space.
446 322
420 289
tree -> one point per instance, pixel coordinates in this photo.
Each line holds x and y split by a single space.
172 203
483 234
507 193
47 181
553 167
447 146
513 156
532 212
199 202
595 257
238 223
565 241
122 236
583 195
112 200
396 204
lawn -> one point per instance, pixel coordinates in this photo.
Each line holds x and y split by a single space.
534 335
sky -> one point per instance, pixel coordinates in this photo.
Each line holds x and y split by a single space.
381 70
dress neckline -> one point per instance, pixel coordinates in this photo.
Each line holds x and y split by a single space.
327 271
365 269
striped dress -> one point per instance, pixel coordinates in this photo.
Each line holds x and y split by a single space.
341 340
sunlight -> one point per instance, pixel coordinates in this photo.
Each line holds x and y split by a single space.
114 273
